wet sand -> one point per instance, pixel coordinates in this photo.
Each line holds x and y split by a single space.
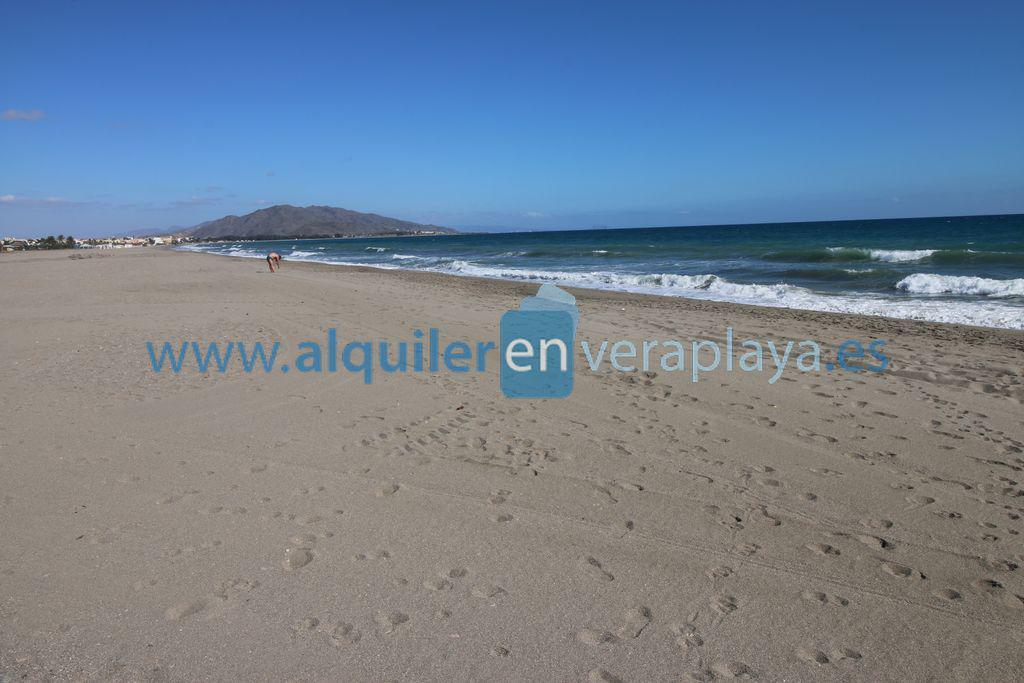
836 526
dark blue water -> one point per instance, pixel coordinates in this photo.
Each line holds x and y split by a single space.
957 269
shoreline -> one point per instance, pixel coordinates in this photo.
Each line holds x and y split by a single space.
522 288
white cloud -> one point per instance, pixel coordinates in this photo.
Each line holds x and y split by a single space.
22 114
196 201
32 201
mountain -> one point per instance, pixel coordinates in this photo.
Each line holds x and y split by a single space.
285 221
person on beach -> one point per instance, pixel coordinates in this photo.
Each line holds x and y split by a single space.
274 261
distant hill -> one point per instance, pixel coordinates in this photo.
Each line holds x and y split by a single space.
285 221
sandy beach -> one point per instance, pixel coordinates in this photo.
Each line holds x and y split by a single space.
160 526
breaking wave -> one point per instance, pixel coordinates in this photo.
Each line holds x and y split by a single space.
927 283
981 301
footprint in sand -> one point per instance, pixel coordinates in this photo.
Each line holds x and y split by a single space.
602 676
390 621
720 572
487 590
1013 600
746 549
373 555
437 584
305 520
185 609
875 542
824 598
594 637
811 655
297 558
998 591
823 549
307 624
876 523
819 658
998 564
826 472
844 653
498 496
732 670
687 636
231 587
386 490
303 540
724 604
948 594
901 570
343 634
593 567
634 621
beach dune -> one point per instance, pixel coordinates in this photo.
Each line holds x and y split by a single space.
162 526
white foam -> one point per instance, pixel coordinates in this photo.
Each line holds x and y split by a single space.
714 288
889 255
987 312
900 256
927 283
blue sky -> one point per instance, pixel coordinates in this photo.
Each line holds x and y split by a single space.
120 116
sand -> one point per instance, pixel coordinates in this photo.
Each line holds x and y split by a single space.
832 526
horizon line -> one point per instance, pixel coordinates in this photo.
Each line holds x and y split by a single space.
503 230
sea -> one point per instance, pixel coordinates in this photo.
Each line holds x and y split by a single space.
963 269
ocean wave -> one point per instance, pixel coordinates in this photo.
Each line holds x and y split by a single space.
715 288
830 274
984 312
219 249
817 255
883 255
855 254
376 249
560 252
973 257
928 283
900 255
706 286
